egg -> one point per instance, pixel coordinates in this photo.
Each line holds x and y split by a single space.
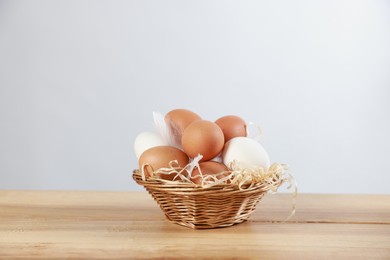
160 157
146 140
246 152
208 168
203 137
232 126
178 120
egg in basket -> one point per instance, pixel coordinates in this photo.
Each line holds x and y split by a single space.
205 174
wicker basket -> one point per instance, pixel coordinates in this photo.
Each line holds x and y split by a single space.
196 207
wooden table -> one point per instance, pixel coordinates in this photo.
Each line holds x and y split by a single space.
111 225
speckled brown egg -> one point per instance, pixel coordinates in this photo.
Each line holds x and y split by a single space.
203 137
232 126
208 168
159 157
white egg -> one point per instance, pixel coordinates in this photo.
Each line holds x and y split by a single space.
146 140
246 152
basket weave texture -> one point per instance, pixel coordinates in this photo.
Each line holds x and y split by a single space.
196 207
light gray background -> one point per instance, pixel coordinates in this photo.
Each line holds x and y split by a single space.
80 79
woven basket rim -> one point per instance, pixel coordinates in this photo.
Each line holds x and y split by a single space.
161 184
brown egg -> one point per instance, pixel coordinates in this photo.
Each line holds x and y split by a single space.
208 168
159 157
178 120
232 126
203 137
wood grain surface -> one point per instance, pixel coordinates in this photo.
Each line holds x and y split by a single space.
130 225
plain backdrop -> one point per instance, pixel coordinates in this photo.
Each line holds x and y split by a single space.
80 79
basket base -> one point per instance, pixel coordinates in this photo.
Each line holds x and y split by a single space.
204 226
